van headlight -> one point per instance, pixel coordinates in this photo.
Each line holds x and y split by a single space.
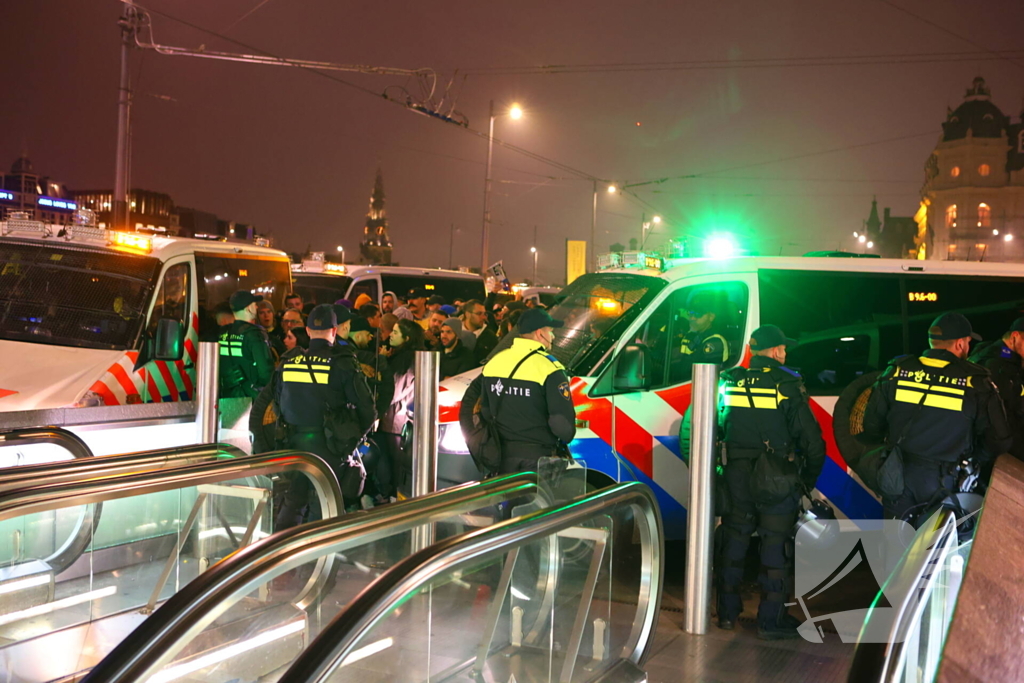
451 440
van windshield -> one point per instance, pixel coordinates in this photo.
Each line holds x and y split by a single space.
52 293
596 309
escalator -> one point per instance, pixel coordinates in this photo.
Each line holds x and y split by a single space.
429 589
89 548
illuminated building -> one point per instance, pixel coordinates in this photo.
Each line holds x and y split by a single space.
148 210
973 194
375 249
40 197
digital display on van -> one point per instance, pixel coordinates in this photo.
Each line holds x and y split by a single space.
922 296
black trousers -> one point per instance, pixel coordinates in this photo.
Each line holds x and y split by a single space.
922 480
297 497
774 525
522 456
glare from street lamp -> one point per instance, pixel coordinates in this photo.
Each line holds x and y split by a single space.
862 239
856 234
341 248
656 219
612 189
870 245
1008 238
533 250
515 111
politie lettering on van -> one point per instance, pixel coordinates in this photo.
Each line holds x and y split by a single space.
92 317
318 281
850 315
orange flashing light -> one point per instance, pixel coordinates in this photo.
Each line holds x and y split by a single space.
132 241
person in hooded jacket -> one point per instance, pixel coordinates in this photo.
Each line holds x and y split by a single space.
406 339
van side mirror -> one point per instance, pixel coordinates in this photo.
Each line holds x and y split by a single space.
632 369
168 340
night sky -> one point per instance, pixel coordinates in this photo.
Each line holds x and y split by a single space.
296 154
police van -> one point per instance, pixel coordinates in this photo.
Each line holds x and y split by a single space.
321 282
94 317
850 315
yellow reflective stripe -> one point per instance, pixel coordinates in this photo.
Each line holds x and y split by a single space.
736 390
933 362
948 390
765 402
325 368
915 385
907 396
945 402
304 377
754 390
735 401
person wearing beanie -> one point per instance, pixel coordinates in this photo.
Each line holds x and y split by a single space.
456 358
246 361
361 301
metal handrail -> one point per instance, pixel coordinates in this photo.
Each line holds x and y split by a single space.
197 605
76 470
376 601
69 441
879 661
45 496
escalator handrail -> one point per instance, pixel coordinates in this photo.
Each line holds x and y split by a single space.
69 441
188 612
322 656
103 466
43 497
874 661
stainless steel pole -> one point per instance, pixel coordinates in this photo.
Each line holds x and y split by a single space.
207 366
593 233
124 99
485 240
700 512
424 434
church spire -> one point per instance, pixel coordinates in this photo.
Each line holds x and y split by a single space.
376 245
873 223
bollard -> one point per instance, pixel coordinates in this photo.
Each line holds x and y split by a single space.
207 367
424 433
424 438
700 513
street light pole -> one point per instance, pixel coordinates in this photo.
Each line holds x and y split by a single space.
534 250
485 238
119 203
593 233
342 250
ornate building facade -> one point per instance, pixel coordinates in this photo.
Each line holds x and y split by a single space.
972 201
375 249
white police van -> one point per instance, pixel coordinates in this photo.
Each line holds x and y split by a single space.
321 282
95 317
851 316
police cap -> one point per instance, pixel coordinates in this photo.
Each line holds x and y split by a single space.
1017 325
241 300
322 318
952 326
534 319
342 313
768 337
436 300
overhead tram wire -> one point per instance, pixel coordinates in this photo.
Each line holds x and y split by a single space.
519 150
1003 55
752 63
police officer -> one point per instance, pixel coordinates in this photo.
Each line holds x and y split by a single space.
764 413
1003 358
309 385
703 343
246 362
941 409
526 391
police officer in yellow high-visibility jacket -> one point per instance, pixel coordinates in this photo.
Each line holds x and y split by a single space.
767 426
526 392
941 409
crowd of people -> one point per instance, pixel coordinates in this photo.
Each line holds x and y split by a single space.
362 353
